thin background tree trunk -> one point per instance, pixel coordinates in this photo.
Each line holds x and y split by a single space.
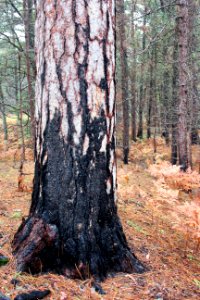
124 78
22 138
151 95
133 78
142 92
183 92
193 44
27 5
3 113
174 142
166 97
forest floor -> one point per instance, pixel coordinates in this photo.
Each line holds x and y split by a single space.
160 210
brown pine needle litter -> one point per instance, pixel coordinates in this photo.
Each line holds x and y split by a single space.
160 210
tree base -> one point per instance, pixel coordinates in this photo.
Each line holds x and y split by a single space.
126 154
38 248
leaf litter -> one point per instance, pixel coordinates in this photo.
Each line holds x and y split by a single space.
161 227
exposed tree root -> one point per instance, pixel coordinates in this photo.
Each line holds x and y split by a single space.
33 237
38 248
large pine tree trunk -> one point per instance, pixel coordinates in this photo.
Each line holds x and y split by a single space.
73 224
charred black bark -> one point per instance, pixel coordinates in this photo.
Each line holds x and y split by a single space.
73 219
33 295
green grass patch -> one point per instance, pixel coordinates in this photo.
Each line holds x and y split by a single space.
197 282
137 227
16 215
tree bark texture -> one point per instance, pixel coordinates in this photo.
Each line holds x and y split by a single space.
124 78
193 45
133 81
166 98
73 217
27 6
183 95
3 114
151 95
142 82
174 143
21 127
141 103
195 110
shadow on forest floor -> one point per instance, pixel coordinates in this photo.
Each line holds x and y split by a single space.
159 216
